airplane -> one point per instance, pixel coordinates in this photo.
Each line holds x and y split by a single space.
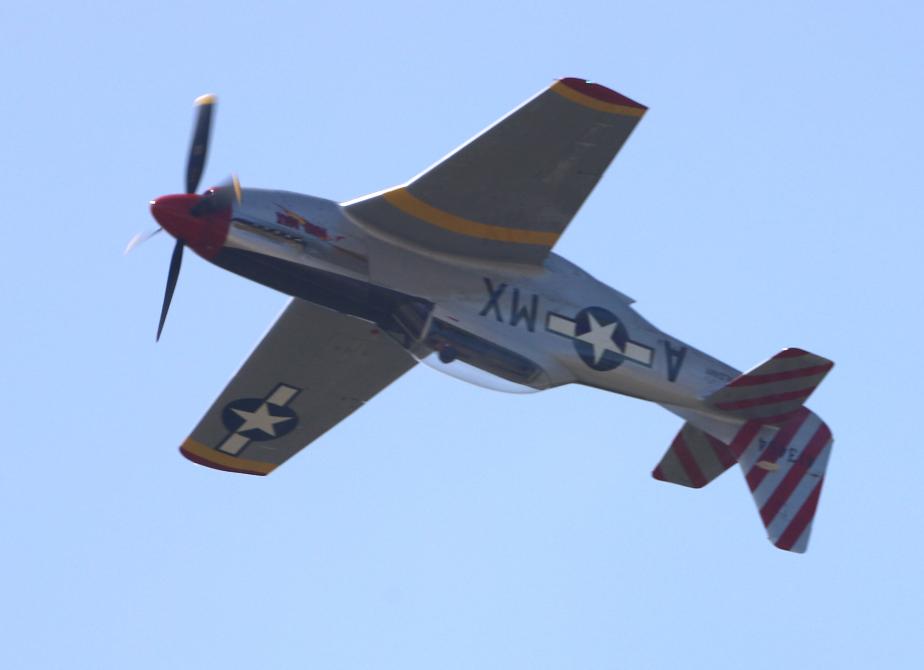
455 268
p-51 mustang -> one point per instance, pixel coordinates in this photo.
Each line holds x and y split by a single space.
456 267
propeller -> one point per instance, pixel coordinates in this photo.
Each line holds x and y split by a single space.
214 200
172 275
139 239
195 164
198 149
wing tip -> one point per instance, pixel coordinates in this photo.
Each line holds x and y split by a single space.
600 92
200 455
659 474
798 352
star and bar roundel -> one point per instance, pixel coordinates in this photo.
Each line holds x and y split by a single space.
600 339
258 419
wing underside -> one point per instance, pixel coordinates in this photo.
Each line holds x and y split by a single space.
509 193
313 368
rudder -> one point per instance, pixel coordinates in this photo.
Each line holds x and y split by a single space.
785 471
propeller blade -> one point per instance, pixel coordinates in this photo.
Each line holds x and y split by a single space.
236 184
139 238
198 150
172 276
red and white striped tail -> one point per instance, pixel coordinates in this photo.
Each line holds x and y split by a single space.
785 468
775 389
694 458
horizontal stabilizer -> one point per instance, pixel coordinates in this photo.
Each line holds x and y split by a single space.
694 459
775 389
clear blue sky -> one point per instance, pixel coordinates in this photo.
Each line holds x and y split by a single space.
770 198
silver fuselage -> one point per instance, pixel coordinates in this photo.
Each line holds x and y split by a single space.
556 317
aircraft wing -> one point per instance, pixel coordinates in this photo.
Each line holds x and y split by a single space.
509 193
313 368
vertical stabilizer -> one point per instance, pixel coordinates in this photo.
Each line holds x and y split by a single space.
785 474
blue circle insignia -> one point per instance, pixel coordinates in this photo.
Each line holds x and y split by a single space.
256 419
599 337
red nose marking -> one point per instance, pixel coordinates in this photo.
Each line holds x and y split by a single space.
205 234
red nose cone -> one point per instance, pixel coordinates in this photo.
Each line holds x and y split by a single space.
205 234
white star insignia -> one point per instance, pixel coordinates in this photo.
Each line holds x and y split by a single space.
600 337
260 420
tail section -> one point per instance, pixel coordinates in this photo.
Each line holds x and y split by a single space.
785 468
772 391
781 446
694 459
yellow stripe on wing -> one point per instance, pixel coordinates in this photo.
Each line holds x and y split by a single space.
199 453
409 204
593 103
